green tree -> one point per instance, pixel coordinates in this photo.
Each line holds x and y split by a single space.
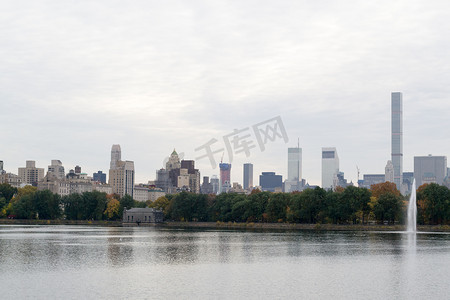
276 207
139 204
388 208
309 206
434 203
200 207
73 207
126 202
23 208
47 205
259 202
242 210
356 203
7 191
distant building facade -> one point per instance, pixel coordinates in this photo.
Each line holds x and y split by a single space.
215 183
30 174
10 178
116 155
430 169
140 193
99 177
389 172
57 168
206 187
155 193
163 181
408 178
371 179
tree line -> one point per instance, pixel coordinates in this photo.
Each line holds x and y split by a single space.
30 203
381 203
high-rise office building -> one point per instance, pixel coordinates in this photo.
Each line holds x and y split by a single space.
173 166
430 169
206 187
271 182
248 176
30 174
1 167
99 177
371 179
397 137
225 175
189 175
116 155
121 178
330 166
215 184
163 181
121 173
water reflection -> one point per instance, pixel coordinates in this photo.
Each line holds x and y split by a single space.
177 247
120 249
193 263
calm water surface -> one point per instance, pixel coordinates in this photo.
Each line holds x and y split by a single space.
86 262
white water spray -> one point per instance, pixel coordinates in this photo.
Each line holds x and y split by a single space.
412 210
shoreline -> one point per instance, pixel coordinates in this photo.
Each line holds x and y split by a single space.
234 226
59 222
296 227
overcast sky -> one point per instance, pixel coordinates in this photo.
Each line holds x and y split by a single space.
79 76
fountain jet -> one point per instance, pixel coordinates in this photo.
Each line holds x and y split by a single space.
412 210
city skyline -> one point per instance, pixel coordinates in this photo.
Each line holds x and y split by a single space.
189 73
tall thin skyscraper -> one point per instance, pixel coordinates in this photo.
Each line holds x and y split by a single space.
116 155
397 137
248 176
